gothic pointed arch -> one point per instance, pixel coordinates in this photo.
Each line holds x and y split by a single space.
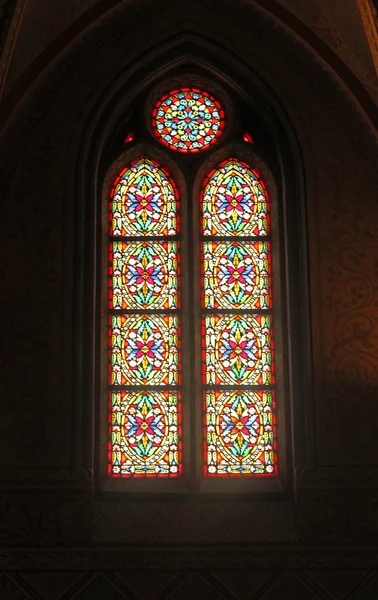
271 145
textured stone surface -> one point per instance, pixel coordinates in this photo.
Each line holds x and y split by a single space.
187 585
337 23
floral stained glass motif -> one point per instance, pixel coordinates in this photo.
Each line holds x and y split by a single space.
144 350
188 120
237 350
237 338
240 425
144 324
234 202
145 275
236 274
146 435
143 202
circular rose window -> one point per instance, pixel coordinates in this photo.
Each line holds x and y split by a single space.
188 120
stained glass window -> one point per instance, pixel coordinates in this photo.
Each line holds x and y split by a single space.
226 335
237 344
144 324
188 120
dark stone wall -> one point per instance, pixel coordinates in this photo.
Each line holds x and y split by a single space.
57 539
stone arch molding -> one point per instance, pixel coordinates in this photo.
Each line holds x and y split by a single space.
264 17
195 51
